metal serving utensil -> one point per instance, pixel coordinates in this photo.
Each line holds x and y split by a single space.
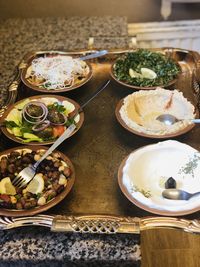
27 174
169 119
94 55
177 194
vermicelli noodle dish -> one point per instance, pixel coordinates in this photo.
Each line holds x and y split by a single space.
56 72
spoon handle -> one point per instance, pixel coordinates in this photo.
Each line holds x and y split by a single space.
196 120
97 54
195 194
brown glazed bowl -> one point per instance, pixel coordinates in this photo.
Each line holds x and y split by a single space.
161 208
52 202
134 87
53 91
59 98
160 136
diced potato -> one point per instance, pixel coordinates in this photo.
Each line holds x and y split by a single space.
13 199
37 157
62 180
61 168
41 201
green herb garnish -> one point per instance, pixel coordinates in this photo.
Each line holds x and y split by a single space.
49 198
190 166
70 121
38 195
18 197
56 106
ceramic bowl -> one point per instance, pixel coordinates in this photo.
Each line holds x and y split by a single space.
138 113
143 174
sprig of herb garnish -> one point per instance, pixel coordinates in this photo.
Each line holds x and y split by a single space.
190 166
165 68
56 106
70 121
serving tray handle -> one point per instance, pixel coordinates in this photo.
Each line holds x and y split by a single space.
114 224
13 87
101 224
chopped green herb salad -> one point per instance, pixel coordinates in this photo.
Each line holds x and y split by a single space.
145 68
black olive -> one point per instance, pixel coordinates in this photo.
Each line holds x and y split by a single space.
170 183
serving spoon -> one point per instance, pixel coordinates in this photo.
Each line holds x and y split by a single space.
177 194
169 119
94 55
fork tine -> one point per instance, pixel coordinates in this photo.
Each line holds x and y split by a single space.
17 181
21 184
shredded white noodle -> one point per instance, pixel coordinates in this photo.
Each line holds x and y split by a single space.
57 72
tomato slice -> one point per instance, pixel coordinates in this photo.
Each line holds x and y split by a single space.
58 130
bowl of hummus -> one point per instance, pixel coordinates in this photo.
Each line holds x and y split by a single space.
138 113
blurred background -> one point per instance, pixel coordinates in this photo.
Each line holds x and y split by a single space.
150 23
134 10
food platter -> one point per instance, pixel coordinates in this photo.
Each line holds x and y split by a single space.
137 113
143 69
54 103
100 147
16 198
55 72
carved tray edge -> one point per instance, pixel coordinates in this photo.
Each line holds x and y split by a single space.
101 224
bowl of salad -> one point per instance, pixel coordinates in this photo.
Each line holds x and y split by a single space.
54 179
40 120
55 72
145 69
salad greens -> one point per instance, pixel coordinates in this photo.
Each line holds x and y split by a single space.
166 69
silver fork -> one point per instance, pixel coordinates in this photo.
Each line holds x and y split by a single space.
27 174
